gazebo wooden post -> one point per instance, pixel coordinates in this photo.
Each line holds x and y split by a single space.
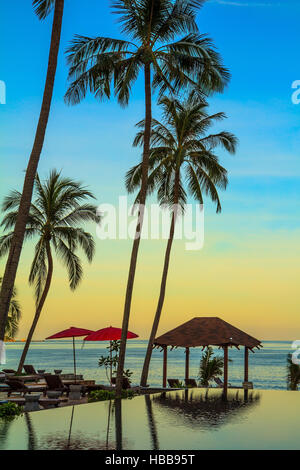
165 366
246 364
246 371
187 363
225 370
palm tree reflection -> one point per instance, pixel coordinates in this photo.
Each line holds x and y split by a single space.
31 433
118 425
79 440
152 424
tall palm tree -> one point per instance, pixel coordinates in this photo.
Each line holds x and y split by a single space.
180 149
14 316
55 218
210 367
42 9
167 64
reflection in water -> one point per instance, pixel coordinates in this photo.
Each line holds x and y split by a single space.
206 409
70 429
145 422
76 439
5 425
79 441
152 424
110 410
30 432
118 425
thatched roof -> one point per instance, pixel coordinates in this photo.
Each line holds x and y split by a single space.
204 331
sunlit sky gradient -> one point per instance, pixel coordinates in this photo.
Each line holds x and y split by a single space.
248 272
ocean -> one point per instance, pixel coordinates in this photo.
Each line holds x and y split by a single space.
267 367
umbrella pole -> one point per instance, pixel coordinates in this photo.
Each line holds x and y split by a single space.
74 358
110 356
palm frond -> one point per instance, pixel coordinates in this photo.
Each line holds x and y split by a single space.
82 213
72 263
38 270
74 237
178 18
12 201
179 143
94 62
43 8
194 184
14 315
206 182
98 63
224 139
5 242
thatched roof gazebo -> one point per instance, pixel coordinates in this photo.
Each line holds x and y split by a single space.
207 331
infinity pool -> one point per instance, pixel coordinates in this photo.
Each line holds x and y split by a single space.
185 420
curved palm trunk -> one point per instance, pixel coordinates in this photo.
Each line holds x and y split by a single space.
136 243
39 308
162 293
17 241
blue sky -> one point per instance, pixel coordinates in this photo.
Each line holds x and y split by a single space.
258 41
92 141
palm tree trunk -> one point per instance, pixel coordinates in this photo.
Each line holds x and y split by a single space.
39 307
136 243
162 293
23 212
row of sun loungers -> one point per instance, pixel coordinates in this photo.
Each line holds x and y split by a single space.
59 383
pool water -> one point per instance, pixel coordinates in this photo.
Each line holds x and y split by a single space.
180 420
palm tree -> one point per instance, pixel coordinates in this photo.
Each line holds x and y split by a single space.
42 9
210 367
180 148
293 374
54 218
167 63
14 316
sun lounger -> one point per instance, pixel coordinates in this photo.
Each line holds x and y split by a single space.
18 386
30 370
174 383
191 383
220 383
55 383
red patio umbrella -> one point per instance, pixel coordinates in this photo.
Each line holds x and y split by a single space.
109 334
71 332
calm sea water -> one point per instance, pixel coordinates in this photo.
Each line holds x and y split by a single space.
267 367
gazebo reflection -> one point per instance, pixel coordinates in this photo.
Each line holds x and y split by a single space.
206 408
